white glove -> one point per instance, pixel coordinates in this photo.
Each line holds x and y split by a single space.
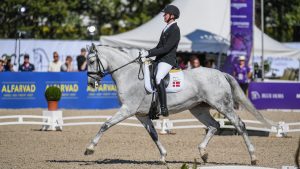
144 53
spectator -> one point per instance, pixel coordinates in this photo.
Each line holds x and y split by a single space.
210 64
55 65
242 74
8 66
67 66
181 63
1 65
26 66
257 72
81 60
194 62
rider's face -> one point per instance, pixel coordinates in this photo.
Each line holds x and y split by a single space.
166 17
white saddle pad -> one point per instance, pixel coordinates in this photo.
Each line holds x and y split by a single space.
176 82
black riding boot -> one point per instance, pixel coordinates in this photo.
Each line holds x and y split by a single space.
162 98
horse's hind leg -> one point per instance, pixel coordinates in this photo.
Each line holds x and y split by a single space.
147 123
121 115
240 126
203 115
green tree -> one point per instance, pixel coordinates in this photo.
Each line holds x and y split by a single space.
280 18
68 19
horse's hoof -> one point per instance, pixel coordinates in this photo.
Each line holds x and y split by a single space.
89 152
205 157
253 162
163 162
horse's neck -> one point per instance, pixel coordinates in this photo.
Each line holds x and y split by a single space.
116 59
124 76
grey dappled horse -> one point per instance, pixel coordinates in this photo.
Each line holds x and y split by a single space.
204 88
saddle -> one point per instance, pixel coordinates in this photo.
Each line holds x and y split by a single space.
174 82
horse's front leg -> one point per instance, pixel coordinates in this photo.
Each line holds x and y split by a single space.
121 115
147 123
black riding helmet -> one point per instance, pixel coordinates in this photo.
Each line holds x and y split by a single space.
173 10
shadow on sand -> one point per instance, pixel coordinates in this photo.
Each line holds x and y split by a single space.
121 161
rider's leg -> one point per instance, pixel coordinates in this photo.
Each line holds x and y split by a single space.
162 96
162 70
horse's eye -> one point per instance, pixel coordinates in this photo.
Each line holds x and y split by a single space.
91 61
91 55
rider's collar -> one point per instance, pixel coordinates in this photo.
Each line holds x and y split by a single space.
169 25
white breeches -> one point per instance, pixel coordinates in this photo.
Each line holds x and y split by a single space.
162 70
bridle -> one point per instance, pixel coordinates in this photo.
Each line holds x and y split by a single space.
101 72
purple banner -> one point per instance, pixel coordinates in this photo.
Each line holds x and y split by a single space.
241 42
275 95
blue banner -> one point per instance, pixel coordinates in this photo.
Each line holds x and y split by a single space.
26 90
270 95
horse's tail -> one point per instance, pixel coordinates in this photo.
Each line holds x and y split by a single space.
241 98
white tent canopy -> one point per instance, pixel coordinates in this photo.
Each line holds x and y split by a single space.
207 22
272 48
193 15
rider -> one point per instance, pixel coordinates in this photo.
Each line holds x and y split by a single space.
165 53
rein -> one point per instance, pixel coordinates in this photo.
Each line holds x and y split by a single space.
103 74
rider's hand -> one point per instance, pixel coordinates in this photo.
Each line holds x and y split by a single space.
144 53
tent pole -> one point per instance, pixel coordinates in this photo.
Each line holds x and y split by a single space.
219 61
219 58
262 40
253 44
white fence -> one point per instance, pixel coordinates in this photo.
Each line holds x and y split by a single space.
20 119
55 121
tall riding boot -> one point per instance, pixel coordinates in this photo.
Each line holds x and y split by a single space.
162 98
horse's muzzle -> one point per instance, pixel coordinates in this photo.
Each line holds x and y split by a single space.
92 82
93 85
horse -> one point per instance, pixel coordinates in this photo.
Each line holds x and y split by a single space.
204 88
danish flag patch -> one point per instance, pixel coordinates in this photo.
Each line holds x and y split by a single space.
176 83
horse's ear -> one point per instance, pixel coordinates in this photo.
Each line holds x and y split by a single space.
88 48
93 46
91 49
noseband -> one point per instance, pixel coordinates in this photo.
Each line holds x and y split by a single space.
100 66
99 73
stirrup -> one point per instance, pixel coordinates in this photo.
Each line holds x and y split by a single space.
154 116
164 111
